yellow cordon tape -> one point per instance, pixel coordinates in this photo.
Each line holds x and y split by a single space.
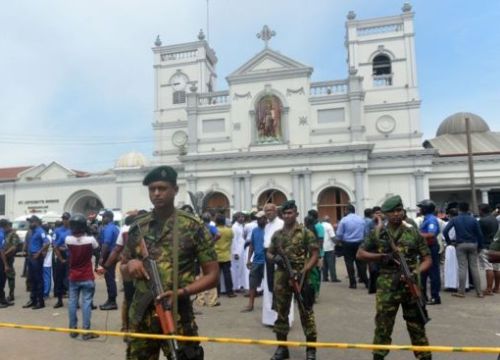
323 345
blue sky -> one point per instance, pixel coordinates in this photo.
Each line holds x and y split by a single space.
77 77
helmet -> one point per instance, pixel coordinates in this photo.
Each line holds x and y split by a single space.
78 223
427 206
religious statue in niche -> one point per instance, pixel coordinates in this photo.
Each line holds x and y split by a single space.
269 119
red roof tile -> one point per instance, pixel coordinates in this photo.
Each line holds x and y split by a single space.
7 174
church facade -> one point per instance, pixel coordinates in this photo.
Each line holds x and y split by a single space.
272 135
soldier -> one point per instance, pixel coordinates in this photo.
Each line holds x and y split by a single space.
159 231
391 291
12 243
301 248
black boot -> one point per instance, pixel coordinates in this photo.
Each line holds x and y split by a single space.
378 357
281 352
11 295
3 301
109 305
311 351
29 304
58 304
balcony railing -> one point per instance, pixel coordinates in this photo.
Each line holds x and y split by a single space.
380 29
382 80
213 98
325 88
179 55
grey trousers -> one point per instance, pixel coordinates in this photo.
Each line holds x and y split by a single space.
467 256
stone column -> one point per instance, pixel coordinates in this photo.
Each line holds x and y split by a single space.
247 196
307 191
119 197
192 119
419 185
356 103
295 185
484 196
359 188
191 183
236 192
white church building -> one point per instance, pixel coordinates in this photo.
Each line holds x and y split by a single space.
273 134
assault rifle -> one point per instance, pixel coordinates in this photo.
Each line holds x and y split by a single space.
294 280
162 307
408 278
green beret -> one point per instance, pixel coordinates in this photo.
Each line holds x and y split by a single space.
391 203
161 173
289 204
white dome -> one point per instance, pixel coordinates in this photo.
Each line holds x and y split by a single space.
132 160
455 124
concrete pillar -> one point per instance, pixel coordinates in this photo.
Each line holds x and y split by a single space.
419 185
236 192
247 196
359 188
307 190
192 119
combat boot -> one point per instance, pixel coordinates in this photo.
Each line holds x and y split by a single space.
11 295
378 357
58 304
281 352
311 351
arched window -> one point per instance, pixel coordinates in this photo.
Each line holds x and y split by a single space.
217 203
332 202
271 196
382 71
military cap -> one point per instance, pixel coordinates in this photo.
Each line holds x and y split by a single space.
391 203
66 215
289 204
108 214
4 223
161 173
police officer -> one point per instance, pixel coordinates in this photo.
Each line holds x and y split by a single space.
4 267
429 230
391 291
11 244
301 248
107 239
159 231
38 245
61 265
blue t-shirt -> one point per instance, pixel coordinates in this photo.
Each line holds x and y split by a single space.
257 241
213 230
37 240
2 238
430 225
60 235
108 236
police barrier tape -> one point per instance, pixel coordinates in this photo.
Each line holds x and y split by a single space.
322 345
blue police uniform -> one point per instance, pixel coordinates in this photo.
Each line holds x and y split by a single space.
60 268
109 234
3 277
35 265
430 225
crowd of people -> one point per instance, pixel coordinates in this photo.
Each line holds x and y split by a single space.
259 253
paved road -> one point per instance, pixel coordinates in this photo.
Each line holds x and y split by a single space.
342 315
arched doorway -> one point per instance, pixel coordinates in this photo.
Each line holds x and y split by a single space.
332 202
216 203
83 202
271 196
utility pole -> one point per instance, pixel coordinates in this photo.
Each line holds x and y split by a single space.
471 166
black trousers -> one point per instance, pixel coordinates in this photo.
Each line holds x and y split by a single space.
225 267
35 267
60 275
350 250
3 280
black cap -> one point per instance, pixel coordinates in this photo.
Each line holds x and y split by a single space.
4 223
33 218
66 215
161 173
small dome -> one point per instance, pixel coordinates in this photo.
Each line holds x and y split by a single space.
455 124
132 160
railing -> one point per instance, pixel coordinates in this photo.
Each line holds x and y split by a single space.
323 88
382 80
213 98
179 55
380 29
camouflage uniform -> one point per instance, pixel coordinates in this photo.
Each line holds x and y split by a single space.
391 292
11 239
297 246
195 244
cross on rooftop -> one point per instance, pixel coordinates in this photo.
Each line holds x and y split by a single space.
266 34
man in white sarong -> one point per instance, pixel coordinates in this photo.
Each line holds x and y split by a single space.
269 316
238 252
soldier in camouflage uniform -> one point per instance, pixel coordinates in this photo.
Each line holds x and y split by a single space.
391 290
195 244
301 248
12 243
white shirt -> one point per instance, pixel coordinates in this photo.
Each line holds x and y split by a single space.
270 229
238 244
328 244
248 230
119 239
47 261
